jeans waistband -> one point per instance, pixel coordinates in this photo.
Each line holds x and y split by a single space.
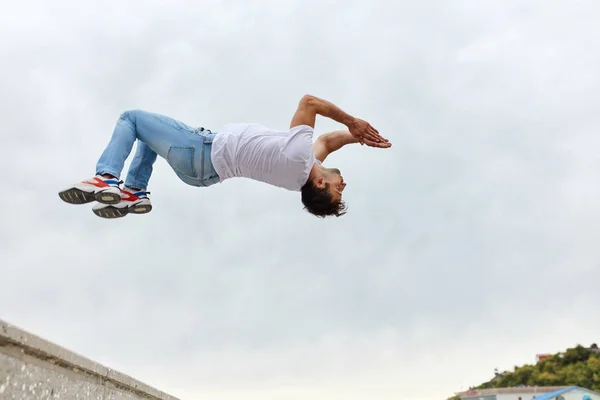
207 134
208 137
208 175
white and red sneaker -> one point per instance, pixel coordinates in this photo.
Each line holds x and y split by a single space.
130 202
100 189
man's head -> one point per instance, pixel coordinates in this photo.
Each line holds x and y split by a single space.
322 193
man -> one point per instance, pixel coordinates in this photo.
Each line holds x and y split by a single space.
288 159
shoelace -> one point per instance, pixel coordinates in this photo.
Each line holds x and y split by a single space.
141 194
113 182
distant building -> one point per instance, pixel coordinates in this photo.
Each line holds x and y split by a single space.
571 393
593 348
540 357
531 392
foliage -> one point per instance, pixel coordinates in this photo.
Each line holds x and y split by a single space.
578 366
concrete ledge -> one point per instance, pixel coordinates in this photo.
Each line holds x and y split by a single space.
33 368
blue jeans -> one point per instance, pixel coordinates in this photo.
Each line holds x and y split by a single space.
186 149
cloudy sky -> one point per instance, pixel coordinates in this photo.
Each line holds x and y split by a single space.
471 244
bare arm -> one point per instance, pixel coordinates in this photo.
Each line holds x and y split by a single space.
333 141
309 106
330 142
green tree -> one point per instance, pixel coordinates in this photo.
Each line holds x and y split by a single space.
575 355
576 366
594 365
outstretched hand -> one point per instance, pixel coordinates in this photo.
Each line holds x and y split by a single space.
366 134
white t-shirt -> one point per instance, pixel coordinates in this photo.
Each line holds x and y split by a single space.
279 158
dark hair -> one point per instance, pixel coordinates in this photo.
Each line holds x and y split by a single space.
319 201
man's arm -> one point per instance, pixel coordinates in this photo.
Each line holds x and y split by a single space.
309 106
330 142
333 141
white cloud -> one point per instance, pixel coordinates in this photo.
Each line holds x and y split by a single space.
468 246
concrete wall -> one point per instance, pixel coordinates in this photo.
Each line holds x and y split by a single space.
572 394
32 368
520 396
526 394
513 393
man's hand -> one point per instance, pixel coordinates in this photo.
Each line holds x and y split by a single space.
366 134
311 106
333 141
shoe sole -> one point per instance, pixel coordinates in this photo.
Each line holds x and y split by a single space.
141 209
114 212
107 198
110 212
78 196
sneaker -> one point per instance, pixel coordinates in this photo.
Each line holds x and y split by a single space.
98 188
130 202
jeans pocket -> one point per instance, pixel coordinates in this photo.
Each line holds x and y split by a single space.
181 159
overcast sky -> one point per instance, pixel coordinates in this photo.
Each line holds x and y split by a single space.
471 244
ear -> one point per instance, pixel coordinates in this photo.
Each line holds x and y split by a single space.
320 182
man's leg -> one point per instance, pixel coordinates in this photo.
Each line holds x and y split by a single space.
141 167
104 187
119 147
155 133
134 197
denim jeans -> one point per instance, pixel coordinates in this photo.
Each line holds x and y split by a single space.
186 149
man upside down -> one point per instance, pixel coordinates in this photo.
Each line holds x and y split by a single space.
287 159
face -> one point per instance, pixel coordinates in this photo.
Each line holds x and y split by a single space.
334 178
